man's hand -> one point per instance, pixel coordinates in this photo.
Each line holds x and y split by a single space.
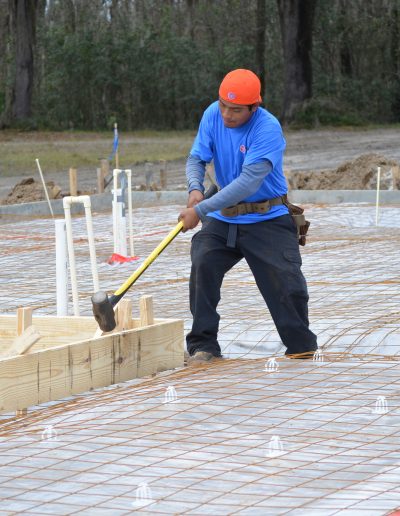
195 197
189 218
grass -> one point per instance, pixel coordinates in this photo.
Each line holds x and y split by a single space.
58 151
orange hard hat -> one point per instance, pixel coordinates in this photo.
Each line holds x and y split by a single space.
241 87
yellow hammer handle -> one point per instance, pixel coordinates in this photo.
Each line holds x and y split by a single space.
150 259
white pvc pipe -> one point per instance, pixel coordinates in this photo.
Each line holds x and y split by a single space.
85 200
121 230
129 174
114 208
44 187
71 254
92 249
119 221
378 186
61 268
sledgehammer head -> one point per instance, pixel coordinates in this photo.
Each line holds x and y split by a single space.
103 311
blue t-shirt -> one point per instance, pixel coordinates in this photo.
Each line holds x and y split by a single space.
259 139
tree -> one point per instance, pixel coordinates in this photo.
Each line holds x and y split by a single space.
21 33
261 20
395 59
158 63
296 21
3 51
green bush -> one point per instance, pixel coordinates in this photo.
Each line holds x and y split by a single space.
326 111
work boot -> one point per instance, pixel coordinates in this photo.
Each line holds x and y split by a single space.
201 358
186 357
306 355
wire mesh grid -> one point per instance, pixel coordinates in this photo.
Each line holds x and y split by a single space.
267 436
238 437
351 266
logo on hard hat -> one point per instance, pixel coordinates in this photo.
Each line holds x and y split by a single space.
231 95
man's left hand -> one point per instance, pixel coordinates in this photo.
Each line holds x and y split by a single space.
189 218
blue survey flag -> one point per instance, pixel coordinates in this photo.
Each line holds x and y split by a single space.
115 142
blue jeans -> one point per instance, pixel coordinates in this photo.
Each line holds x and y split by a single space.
271 250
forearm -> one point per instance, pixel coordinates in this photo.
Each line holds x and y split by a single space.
195 172
248 182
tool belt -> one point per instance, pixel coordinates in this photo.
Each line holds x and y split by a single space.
262 207
302 225
251 207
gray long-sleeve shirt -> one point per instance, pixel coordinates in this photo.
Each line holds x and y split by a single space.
245 185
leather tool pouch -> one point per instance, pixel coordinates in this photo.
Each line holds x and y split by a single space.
299 219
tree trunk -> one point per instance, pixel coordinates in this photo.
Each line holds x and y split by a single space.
296 20
7 74
190 18
24 16
70 16
261 20
395 58
346 64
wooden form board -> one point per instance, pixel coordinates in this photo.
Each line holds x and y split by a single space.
62 370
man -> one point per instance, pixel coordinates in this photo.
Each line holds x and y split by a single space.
246 143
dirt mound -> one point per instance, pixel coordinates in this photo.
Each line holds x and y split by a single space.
358 174
29 190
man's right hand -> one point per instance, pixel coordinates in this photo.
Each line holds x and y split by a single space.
195 197
189 218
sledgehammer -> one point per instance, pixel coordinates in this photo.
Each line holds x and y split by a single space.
103 306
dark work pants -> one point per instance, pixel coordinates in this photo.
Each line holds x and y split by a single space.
272 252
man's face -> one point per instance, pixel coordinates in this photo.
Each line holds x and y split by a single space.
235 115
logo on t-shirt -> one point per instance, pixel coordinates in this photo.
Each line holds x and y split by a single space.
242 149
